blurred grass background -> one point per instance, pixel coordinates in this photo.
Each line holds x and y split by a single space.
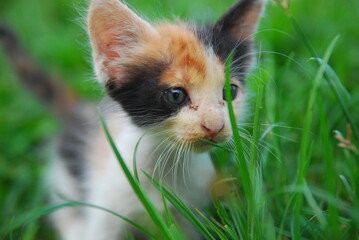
53 33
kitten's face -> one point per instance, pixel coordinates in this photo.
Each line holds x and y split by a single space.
195 77
172 76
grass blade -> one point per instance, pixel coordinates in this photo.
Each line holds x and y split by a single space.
31 217
239 153
140 193
182 208
34 216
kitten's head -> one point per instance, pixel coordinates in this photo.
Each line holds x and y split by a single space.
172 75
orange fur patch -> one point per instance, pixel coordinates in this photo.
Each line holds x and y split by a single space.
182 49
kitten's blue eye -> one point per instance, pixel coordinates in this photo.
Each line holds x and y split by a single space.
175 96
234 92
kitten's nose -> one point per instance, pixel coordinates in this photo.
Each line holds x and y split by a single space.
212 129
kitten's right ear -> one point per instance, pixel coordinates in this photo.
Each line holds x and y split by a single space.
114 32
241 21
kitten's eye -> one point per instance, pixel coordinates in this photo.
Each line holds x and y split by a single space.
175 96
234 92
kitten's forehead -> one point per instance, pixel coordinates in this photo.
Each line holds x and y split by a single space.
192 64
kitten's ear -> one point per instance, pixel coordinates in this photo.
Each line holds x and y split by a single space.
241 20
114 32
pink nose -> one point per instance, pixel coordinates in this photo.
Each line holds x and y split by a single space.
212 130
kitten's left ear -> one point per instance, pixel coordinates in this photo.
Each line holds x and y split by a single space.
241 21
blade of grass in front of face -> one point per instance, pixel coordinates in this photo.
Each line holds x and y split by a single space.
305 141
182 208
242 165
239 153
140 193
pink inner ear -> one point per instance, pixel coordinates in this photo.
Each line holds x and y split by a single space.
105 39
108 46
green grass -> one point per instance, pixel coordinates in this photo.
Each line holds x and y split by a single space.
295 181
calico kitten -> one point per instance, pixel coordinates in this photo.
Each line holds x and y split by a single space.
165 85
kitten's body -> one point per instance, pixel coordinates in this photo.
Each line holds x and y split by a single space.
106 185
165 84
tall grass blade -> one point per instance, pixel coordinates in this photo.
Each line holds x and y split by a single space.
239 153
140 193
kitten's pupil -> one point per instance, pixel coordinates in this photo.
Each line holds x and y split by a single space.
175 96
234 92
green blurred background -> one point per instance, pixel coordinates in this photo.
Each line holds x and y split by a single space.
52 31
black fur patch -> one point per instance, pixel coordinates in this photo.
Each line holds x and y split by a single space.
223 44
140 93
225 36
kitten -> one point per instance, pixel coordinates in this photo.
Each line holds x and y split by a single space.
165 85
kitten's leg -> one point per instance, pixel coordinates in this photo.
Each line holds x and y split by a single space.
68 220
